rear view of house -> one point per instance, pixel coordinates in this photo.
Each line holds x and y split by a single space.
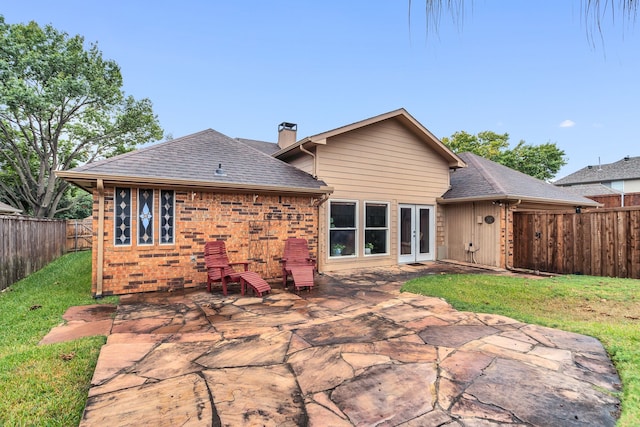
379 192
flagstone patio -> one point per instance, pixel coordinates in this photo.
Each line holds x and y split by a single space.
354 351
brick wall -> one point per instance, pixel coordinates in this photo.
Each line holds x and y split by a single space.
253 226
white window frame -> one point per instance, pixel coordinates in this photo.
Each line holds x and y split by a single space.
356 239
386 228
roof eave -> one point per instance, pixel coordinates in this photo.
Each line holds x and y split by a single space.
454 162
81 179
516 198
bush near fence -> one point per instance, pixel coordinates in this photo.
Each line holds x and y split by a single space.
28 244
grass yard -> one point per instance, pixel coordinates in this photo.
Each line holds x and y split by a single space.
48 384
605 308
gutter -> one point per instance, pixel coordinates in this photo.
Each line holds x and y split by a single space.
315 159
520 199
188 184
100 238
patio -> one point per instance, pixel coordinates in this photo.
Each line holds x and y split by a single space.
353 351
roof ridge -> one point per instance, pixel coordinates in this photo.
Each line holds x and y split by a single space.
271 156
487 174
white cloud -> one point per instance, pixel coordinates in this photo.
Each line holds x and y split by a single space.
567 124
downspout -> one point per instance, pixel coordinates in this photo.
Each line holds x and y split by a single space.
304 150
100 237
506 235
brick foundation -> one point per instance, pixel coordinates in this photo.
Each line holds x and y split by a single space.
253 226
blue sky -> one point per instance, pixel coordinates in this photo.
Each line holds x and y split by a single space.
526 67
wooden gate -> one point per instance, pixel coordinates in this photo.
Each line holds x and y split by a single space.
599 242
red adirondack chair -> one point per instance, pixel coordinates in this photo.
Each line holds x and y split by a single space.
219 269
297 263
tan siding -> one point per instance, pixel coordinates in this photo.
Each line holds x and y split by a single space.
464 224
632 186
303 162
383 162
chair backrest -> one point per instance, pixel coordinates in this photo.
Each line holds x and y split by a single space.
296 250
215 253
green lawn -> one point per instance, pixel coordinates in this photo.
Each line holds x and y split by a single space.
48 384
605 308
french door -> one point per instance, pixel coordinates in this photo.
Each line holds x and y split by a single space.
416 233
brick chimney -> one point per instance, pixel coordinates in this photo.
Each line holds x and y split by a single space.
287 134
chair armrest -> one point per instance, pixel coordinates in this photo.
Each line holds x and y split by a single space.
245 263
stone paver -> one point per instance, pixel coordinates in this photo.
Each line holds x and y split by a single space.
353 351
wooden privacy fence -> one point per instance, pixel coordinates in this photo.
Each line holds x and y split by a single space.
27 245
79 234
599 242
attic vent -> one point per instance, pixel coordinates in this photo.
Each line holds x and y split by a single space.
626 158
220 171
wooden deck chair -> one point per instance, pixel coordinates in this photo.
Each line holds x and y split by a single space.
219 269
297 263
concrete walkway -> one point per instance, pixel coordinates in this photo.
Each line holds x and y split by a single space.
355 351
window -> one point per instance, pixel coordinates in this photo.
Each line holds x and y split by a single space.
145 216
167 206
376 231
122 217
342 228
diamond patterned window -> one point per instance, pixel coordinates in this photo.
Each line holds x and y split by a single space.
145 216
167 208
122 218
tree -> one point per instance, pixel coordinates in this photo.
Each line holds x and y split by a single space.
540 161
61 105
593 12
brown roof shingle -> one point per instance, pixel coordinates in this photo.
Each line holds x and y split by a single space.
626 168
196 157
484 179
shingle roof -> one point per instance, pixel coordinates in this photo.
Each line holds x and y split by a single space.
195 158
627 168
6 209
264 146
483 179
592 190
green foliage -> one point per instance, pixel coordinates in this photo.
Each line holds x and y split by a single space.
61 105
47 384
604 308
540 161
78 204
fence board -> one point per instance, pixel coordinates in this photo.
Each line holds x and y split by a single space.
79 234
602 242
27 245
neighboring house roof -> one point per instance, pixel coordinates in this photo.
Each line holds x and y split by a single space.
484 179
587 190
6 209
401 115
191 161
264 146
627 168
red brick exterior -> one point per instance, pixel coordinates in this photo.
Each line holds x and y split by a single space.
253 226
